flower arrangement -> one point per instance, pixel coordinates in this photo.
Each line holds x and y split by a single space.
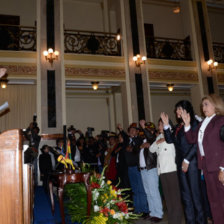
108 205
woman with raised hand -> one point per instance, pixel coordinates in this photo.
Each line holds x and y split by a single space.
210 141
186 160
167 170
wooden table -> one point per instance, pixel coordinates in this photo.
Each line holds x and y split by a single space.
60 179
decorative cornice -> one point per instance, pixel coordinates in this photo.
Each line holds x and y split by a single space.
74 72
220 77
189 77
20 70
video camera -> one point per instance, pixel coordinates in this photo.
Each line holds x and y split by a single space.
90 131
34 121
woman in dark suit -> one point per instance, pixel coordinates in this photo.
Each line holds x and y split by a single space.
187 167
209 138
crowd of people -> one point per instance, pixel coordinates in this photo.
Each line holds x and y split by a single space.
182 165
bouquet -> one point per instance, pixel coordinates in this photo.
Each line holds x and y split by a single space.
108 205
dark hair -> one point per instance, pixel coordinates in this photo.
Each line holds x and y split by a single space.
186 105
43 148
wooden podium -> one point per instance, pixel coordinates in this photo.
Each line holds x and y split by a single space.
16 181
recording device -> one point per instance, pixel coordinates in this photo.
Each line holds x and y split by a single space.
4 106
104 133
34 120
71 131
90 131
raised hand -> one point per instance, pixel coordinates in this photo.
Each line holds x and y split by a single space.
142 123
186 118
119 127
165 118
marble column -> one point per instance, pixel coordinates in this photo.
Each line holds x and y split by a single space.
51 101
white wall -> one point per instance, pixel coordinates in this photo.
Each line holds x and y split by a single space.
26 9
216 19
165 103
86 111
165 22
22 106
81 15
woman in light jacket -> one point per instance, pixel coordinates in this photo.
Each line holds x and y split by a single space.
167 170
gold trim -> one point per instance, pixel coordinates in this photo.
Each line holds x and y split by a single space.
16 54
152 61
99 58
189 77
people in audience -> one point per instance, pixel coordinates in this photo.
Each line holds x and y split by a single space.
209 139
148 169
45 166
167 170
186 160
132 144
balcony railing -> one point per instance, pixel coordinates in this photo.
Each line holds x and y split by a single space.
85 42
17 38
168 48
218 49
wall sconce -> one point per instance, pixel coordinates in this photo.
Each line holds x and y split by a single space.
170 87
118 36
212 64
176 10
3 83
139 60
51 55
95 85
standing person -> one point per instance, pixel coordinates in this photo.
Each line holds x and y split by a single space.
45 166
132 142
148 169
187 166
211 151
167 170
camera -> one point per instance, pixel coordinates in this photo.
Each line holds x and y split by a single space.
34 120
89 131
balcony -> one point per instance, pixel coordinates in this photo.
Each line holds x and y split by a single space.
17 38
168 48
23 38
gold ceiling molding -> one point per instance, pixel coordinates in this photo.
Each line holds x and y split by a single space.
73 72
220 77
189 77
20 70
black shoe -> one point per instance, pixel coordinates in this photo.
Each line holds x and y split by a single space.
155 219
145 215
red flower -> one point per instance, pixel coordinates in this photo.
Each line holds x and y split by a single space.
95 185
122 206
105 211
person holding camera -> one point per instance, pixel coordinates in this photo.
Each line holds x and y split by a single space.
31 154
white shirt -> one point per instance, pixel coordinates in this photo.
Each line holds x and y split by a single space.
201 133
141 157
77 155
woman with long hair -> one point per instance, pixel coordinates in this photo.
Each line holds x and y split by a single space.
210 142
186 160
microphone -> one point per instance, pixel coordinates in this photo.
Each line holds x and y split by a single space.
4 106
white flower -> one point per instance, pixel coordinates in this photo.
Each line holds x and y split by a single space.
95 194
102 183
96 208
127 216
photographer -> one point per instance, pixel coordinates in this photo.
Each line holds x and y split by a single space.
31 154
76 154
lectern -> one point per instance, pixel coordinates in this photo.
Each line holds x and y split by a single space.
16 182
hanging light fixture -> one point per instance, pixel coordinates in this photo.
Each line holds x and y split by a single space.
170 87
95 85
